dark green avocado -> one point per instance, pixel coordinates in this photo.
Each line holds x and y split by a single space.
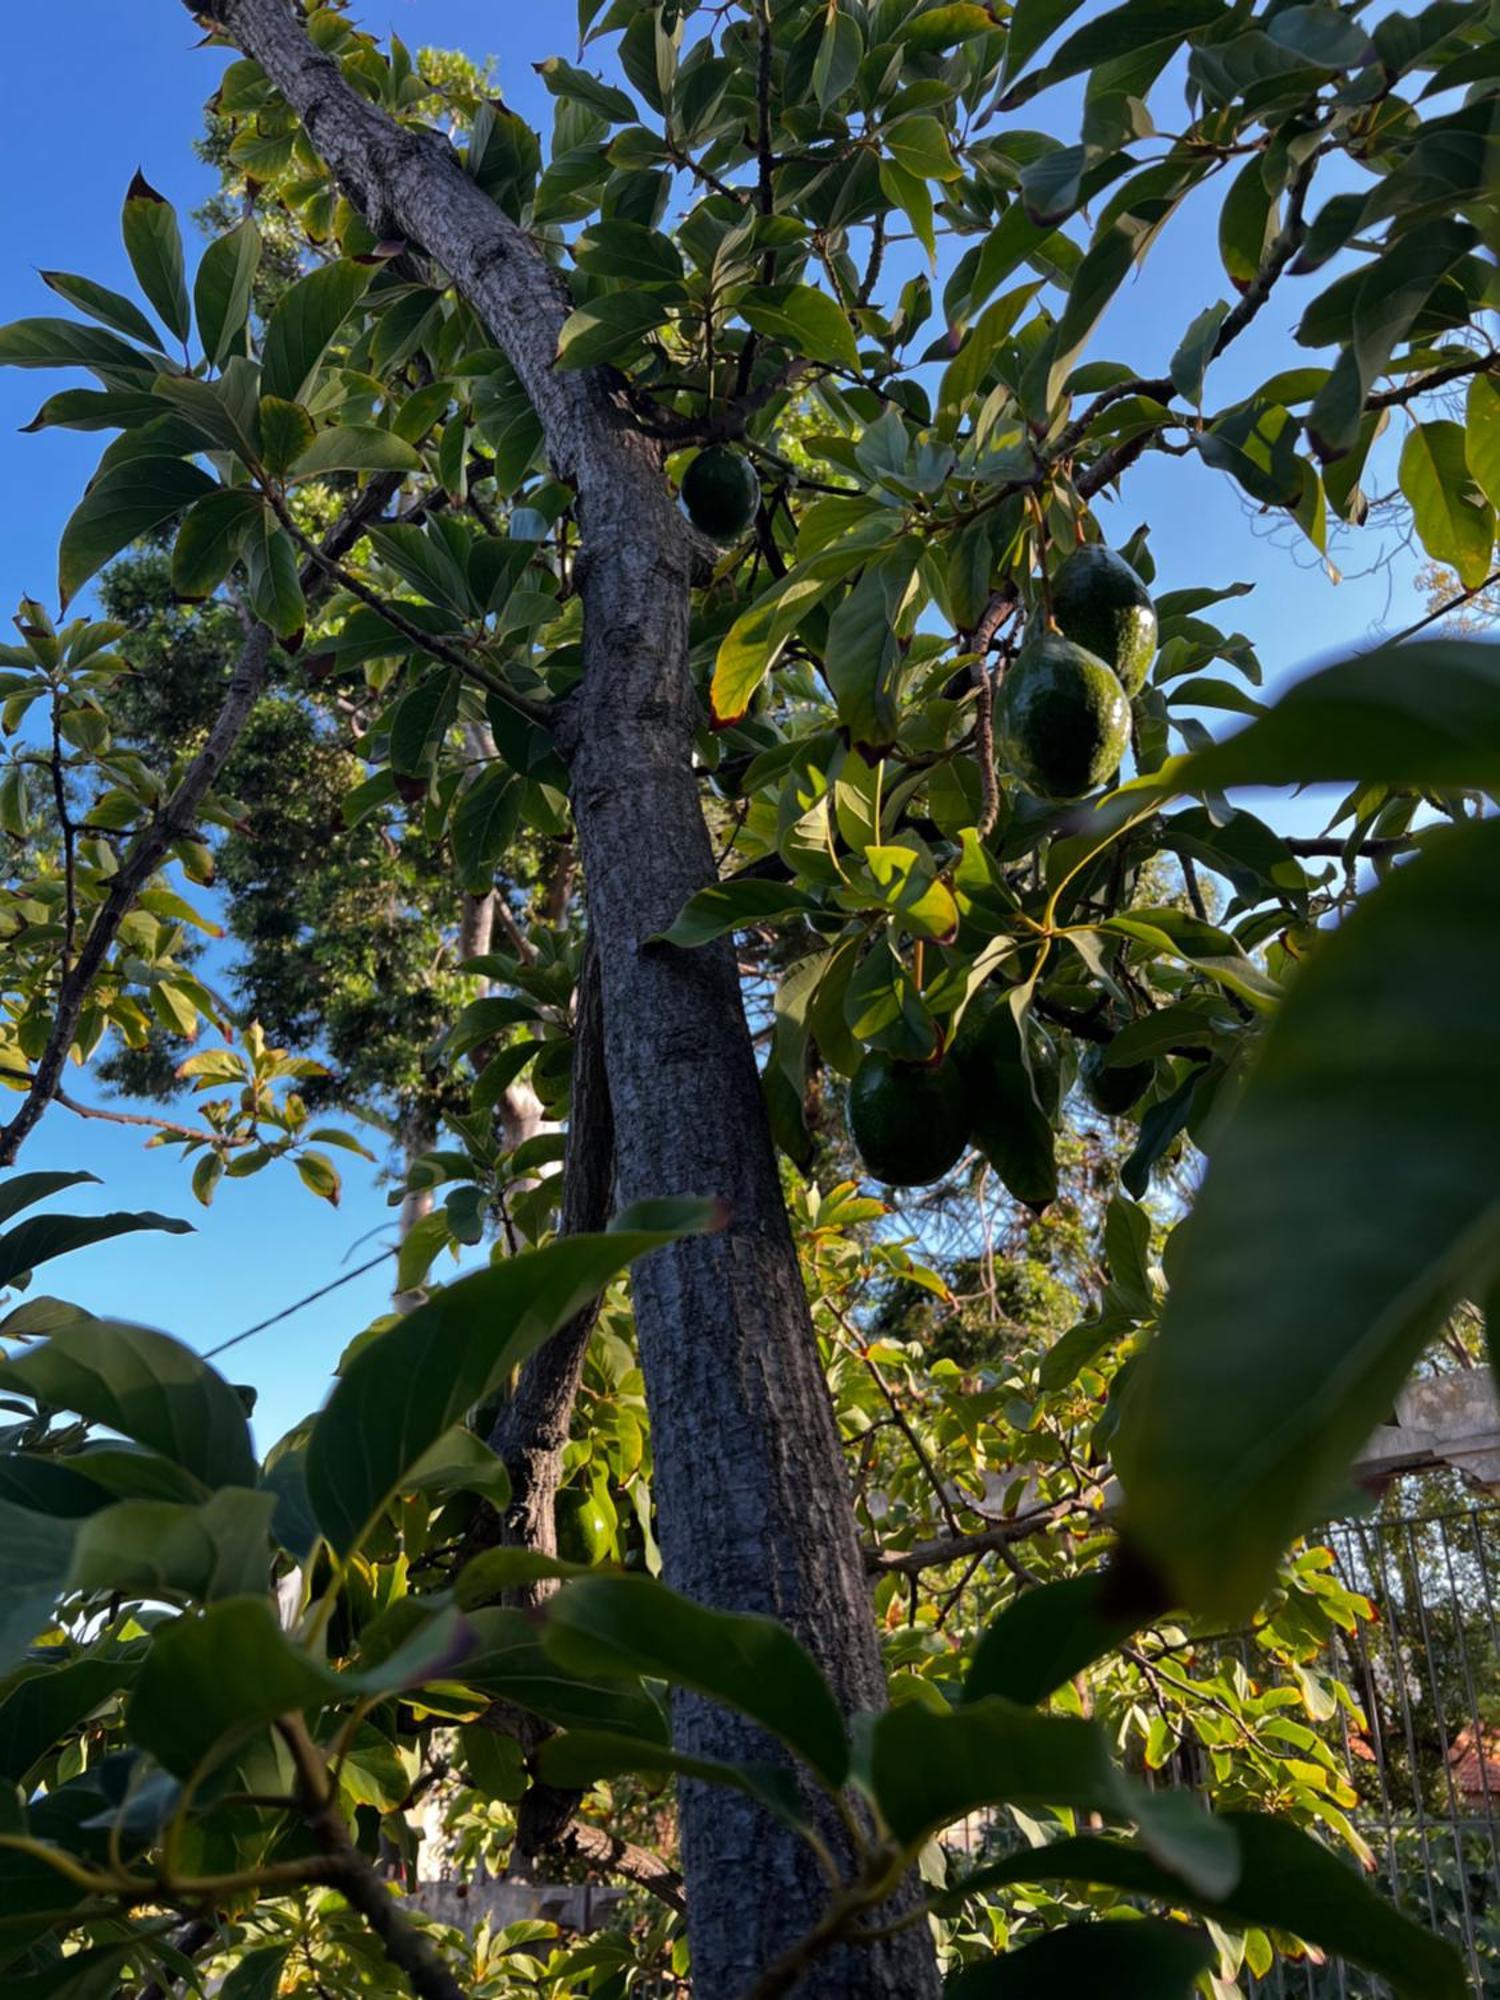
1113 1089
1062 720
721 492
1012 1109
1100 603
910 1121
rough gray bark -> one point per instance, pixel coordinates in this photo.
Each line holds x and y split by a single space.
752 1499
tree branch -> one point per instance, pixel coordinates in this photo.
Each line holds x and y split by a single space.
944 1549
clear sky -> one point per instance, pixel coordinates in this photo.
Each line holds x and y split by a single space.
98 90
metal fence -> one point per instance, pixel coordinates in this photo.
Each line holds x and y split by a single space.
1426 1672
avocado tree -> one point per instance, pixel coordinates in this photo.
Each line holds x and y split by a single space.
868 691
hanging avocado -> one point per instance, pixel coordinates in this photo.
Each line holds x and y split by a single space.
910 1121
1011 1108
1100 603
1113 1088
721 493
1062 720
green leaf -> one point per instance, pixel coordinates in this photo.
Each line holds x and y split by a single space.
257 1976
356 448
275 583
563 80
401 1392
286 432
509 1664
1247 224
26 1190
420 721
809 322
1189 365
303 324
216 1548
1207 949
610 326
460 1462
1322 35
35 1553
634 1625
1286 1880
213 1679
629 252
100 303
920 145
1044 1637
1369 1106
754 642
1423 714
118 509
733 906
82 1975
153 243
1130 1959
483 825
146 1386
929 1767
47 1703
44 1237
222 290
840 47
1032 23
213 532
1123 31
63 343
1455 522
1482 436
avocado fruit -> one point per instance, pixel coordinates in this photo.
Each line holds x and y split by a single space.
1010 1107
1062 720
1113 1088
909 1121
1100 603
721 492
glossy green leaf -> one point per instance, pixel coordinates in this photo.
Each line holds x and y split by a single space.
44 1704
1425 714
222 288
563 79
634 1625
35 1554
1123 31
733 906
1044 1637
213 532
1369 1106
20 1191
153 1548
803 319
356 448
63 343
43 1237
1140 1959
1455 522
110 308
153 243
257 1976
1482 436
212 1678
125 503
147 1387
303 324
420 721
1285 1880
273 577
483 825
755 641
610 327
630 252
508 1663
397 1395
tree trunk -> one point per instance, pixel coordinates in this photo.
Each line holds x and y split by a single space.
751 1490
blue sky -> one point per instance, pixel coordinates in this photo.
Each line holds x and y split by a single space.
99 90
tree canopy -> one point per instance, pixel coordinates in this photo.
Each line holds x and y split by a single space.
631 626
